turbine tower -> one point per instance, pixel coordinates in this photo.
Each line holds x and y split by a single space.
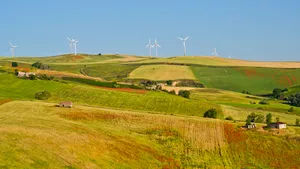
215 52
156 45
150 46
184 46
12 49
71 45
75 47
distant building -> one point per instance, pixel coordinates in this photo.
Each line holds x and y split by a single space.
251 126
25 74
66 104
277 125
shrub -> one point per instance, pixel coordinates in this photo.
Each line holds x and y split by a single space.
45 95
251 117
14 64
212 113
229 118
184 93
189 83
169 82
40 65
45 77
32 77
297 122
172 92
259 119
269 118
264 102
291 110
245 92
294 100
16 72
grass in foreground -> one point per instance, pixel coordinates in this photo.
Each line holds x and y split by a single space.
39 135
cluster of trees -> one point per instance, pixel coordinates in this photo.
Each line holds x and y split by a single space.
256 118
279 93
294 99
44 95
14 64
211 113
40 65
184 93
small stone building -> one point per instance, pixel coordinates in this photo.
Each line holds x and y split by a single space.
251 126
277 125
66 104
25 74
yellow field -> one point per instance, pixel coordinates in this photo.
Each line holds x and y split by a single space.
162 72
219 61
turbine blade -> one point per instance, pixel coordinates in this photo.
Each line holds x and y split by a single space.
186 38
69 39
180 38
10 44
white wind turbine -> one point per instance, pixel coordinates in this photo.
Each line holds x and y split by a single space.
71 44
215 52
184 46
12 49
75 47
150 46
156 45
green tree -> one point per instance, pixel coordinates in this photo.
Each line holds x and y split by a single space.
277 119
297 122
260 119
269 118
277 93
184 93
291 110
14 64
169 82
251 117
212 113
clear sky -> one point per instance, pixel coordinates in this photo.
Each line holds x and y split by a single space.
244 29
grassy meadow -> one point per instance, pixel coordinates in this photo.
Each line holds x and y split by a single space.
162 72
40 135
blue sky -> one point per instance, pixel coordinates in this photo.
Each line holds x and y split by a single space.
244 29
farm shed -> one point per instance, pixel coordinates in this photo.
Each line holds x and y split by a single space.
277 125
66 104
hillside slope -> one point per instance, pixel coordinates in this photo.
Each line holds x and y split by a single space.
40 135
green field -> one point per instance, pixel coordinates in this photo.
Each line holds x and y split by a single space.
162 72
109 71
156 102
253 80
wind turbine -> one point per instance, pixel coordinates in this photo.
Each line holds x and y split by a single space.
12 49
75 42
156 45
150 46
215 52
184 46
71 45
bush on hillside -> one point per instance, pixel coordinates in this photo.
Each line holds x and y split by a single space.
269 118
184 93
169 82
14 64
45 77
245 92
45 95
212 113
278 94
264 102
189 83
291 110
229 118
294 100
40 65
32 77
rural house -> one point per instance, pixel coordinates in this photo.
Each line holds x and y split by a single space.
251 126
25 74
277 125
66 104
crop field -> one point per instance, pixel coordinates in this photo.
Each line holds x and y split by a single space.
66 58
219 61
238 105
109 71
85 137
162 72
253 80
156 102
